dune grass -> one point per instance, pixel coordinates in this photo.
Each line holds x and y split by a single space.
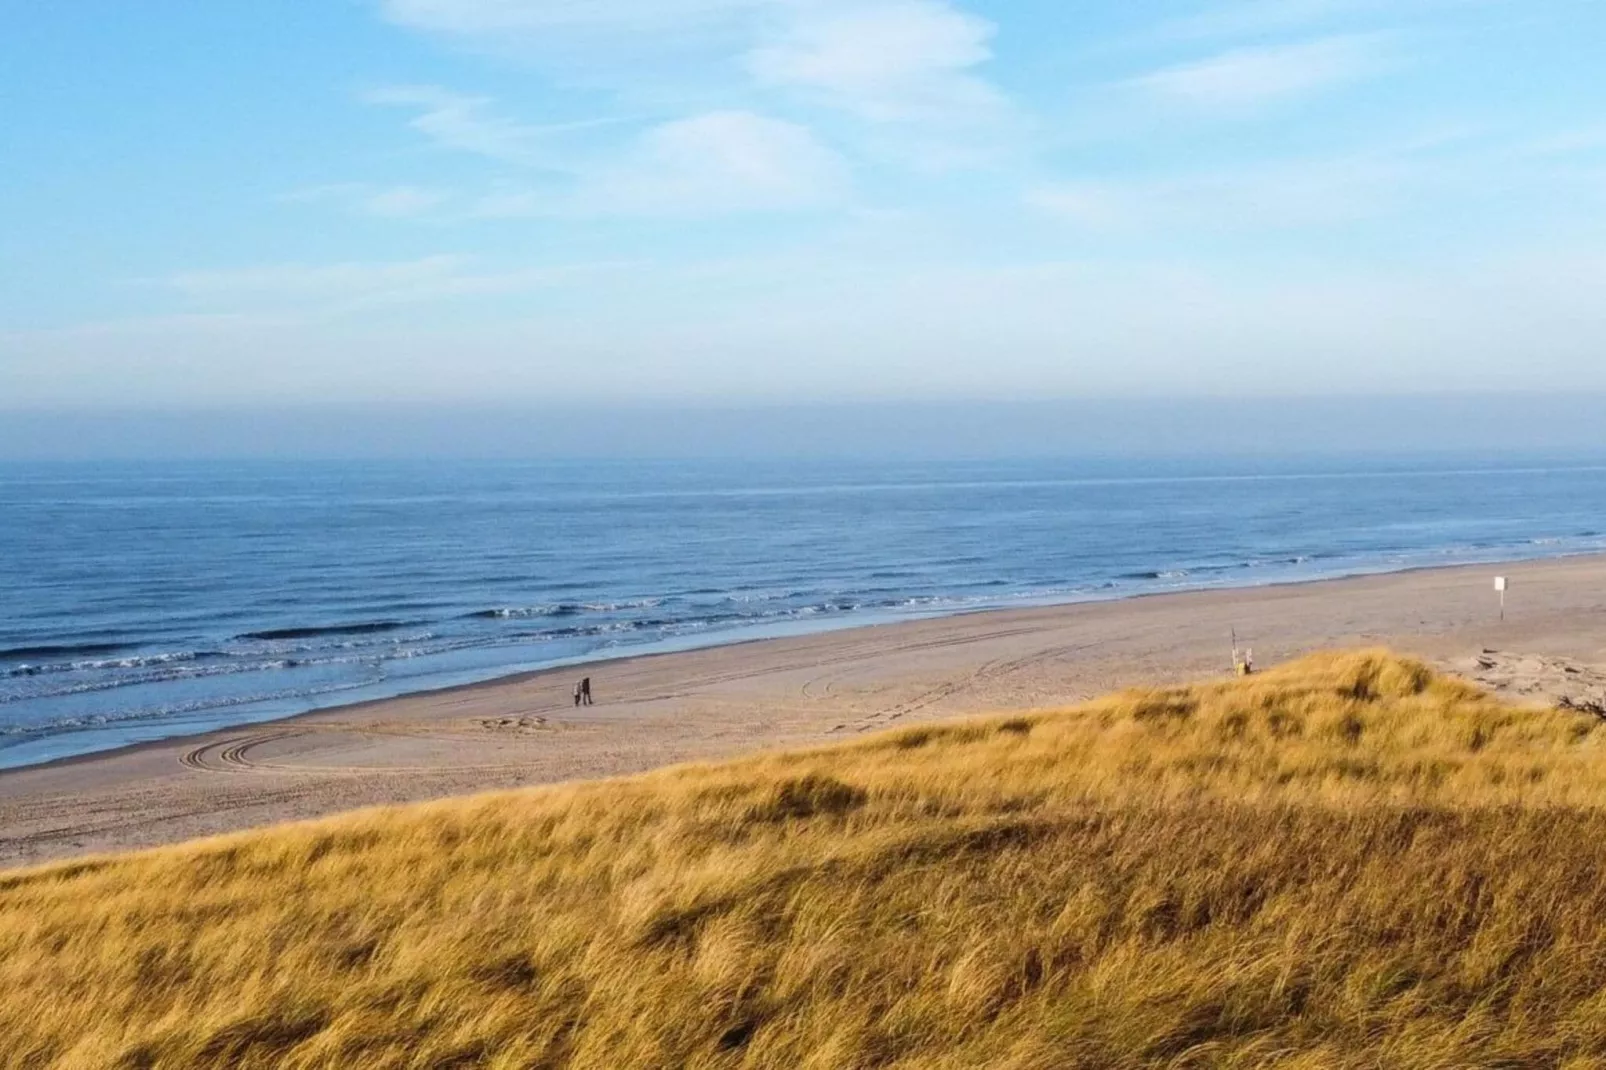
1344 862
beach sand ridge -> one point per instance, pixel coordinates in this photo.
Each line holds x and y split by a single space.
713 703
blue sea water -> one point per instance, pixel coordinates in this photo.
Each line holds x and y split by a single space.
152 600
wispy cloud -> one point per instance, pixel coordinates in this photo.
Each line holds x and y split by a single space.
157 326
648 49
714 164
348 286
400 201
898 60
916 65
1442 171
725 161
368 199
323 281
1249 80
881 60
1249 18
1282 195
1260 18
1580 141
471 124
502 17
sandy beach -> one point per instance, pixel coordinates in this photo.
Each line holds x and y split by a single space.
657 710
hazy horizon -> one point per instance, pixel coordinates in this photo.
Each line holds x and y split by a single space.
1532 424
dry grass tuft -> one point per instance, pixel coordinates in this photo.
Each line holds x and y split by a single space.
1345 862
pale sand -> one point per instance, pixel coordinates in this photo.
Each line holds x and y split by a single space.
657 710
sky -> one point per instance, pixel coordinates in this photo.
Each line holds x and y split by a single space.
565 204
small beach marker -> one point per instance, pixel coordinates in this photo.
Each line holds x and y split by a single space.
1500 585
1243 662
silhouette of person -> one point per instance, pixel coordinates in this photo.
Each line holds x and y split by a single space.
579 690
585 690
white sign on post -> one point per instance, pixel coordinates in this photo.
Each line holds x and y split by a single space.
1501 585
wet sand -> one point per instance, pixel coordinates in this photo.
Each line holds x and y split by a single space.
663 709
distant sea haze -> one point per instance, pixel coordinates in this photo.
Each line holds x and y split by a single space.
139 601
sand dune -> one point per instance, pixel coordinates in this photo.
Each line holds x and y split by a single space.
1347 861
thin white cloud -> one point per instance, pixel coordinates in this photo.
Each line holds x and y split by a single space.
713 164
1276 196
887 61
1254 17
1090 205
367 199
1581 141
144 328
1443 170
646 49
878 59
484 18
1259 18
913 64
725 161
304 289
400 201
321 280
471 124
1249 80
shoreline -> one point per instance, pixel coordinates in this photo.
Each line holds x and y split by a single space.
524 676
716 701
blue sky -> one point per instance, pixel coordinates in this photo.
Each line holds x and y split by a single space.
563 201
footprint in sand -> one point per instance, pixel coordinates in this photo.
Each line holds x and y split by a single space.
1551 680
513 724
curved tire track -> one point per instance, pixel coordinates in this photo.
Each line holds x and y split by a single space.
233 757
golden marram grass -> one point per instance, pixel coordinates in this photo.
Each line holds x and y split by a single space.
1349 861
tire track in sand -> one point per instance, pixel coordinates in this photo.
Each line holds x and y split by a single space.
232 757
996 669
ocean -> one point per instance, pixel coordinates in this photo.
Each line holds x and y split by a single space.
141 601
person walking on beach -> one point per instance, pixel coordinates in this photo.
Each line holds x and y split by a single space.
585 690
579 689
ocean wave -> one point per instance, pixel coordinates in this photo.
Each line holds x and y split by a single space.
164 658
64 650
1151 575
319 630
17 733
177 673
561 609
134 661
193 666
1561 540
525 612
